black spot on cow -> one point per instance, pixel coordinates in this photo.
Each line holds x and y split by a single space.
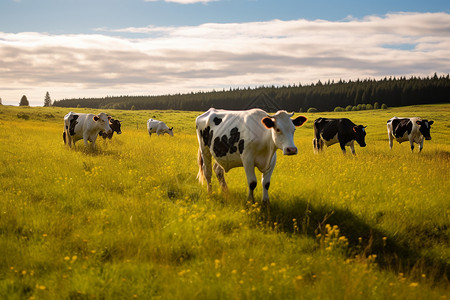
267 186
221 146
72 124
234 138
224 145
252 186
241 146
400 126
217 121
207 135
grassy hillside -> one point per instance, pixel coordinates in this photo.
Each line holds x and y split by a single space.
129 220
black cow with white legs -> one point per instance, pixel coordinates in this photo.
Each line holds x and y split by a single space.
329 131
115 125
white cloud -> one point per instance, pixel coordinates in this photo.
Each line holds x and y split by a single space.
162 60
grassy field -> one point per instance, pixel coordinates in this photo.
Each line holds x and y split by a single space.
129 220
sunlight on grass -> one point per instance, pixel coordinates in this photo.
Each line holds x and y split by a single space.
129 219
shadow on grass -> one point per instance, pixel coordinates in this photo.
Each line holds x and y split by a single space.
391 255
90 151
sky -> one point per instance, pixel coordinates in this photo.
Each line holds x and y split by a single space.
100 48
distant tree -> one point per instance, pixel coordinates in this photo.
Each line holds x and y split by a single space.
355 108
384 106
312 110
369 106
324 96
348 108
47 100
24 101
338 109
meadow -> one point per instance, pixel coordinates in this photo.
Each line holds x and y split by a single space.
129 220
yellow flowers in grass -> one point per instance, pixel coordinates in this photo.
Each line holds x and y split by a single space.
330 238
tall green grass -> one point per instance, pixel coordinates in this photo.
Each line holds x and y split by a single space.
129 219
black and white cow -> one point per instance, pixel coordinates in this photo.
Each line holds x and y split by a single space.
343 131
79 126
115 127
246 139
414 130
158 127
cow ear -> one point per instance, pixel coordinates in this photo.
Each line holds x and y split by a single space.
431 122
268 122
171 128
95 118
419 122
299 121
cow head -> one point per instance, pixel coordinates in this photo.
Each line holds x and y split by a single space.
170 131
360 135
115 125
102 121
425 127
283 128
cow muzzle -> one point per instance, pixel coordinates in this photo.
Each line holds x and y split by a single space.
290 151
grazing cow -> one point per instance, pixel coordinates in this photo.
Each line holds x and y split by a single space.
343 131
247 138
158 127
84 126
413 130
115 127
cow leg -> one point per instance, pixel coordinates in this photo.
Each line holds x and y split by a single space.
421 145
220 173
352 147
266 180
391 140
251 179
204 161
342 147
412 144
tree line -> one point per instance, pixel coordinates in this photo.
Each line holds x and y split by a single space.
321 96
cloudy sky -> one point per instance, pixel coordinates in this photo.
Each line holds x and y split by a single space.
97 48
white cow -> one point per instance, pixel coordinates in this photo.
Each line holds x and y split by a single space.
414 130
79 126
247 138
158 127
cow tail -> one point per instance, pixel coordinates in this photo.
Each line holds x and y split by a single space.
200 175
